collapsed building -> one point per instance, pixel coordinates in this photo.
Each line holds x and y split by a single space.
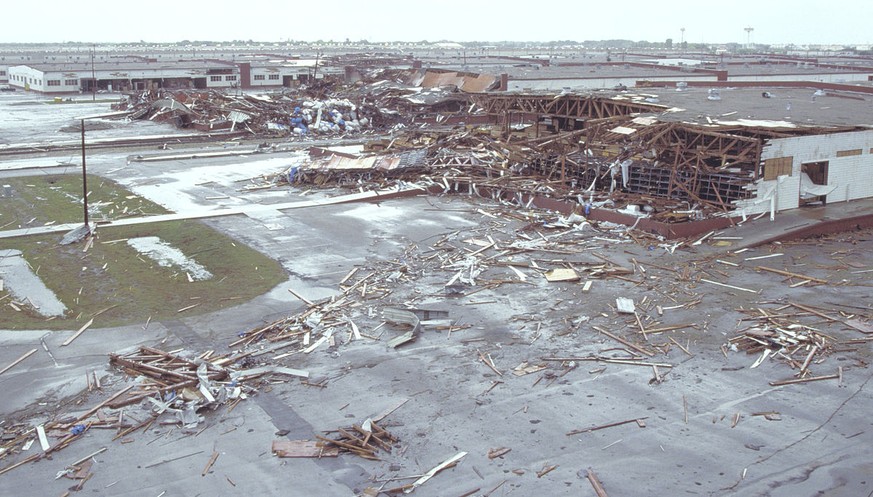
610 152
743 168
621 156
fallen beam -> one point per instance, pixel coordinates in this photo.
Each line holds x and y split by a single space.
638 421
17 361
790 274
805 380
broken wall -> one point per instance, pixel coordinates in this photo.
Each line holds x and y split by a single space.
849 158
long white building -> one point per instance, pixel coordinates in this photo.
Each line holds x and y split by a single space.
70 77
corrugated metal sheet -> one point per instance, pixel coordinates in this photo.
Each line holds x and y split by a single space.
338 163
468 82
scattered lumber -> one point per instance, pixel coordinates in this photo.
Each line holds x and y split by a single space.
363 440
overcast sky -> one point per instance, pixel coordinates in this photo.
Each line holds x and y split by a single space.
774 21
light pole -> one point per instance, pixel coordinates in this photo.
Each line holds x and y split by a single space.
84 181
93 89
84 231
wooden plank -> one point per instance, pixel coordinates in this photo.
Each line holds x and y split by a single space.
805 380
635 363
245 374
301 297
790 274
595 483
89 456
76 335
188 307
561 274
17 361
355 332
318 342
488 362
387 412
651 331
210 463
813 311
546 470
728 286
638 421
43 440
624 342
680 346
20 463
348 276
498 452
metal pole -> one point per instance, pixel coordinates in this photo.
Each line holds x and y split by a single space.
84 179
93 90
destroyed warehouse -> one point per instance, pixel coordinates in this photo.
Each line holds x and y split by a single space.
443 274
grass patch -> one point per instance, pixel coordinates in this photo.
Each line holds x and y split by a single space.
57 198
112 280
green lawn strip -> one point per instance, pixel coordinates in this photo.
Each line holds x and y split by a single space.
37 200
120 286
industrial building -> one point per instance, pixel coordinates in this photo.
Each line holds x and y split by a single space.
733 156
87 77
62 75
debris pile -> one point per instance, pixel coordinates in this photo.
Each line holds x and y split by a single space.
172 388
363 440
169 379
477 161
779 334
324 108
259 115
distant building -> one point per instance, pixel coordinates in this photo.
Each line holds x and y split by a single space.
148 74
263 71
59 78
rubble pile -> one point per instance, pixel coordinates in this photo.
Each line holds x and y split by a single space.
779 334
433 141
259 115
473 160
324 108
173 388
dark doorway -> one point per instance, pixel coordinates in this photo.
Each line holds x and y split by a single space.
817 172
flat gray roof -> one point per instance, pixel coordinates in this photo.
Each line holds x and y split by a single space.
791 105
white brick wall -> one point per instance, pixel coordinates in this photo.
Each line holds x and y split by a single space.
851 176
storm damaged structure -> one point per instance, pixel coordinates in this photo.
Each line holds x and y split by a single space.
621 154
616 155
740 168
